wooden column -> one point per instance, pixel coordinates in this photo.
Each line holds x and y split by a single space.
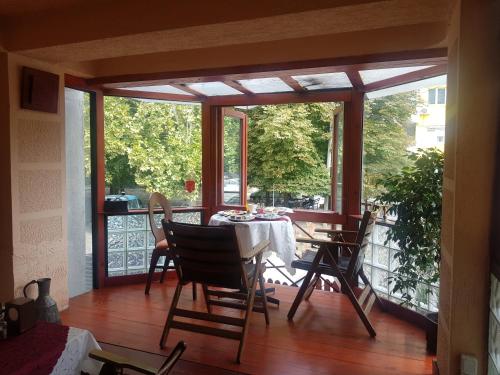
353 155
209 173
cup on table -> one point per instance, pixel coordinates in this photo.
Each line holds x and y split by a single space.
251 207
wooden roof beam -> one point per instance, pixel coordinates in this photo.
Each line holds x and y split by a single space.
151 95
418 75
183 87
238 86
292 83
338 95
356 80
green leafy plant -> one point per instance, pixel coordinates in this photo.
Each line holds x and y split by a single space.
415 196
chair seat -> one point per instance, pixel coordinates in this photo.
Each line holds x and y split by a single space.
162 245
324 268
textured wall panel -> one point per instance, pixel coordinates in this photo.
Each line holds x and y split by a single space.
45 260
40 190
39 141
41 230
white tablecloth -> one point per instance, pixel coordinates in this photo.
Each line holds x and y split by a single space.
75 357
279 233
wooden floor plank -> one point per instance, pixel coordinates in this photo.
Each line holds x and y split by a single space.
326 336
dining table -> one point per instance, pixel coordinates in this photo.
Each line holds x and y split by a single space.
278 231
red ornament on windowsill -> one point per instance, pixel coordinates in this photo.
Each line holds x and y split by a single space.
190 185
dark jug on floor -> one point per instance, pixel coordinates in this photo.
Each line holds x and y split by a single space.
45 305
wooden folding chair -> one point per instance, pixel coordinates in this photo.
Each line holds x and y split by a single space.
328 260
161 246
114 364
210 256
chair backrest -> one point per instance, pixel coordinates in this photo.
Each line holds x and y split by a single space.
362 239
174 356
155 200
206 254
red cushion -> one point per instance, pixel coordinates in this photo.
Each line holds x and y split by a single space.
162 245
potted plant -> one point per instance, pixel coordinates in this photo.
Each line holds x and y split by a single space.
415 197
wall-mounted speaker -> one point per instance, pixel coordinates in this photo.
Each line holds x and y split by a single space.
39 90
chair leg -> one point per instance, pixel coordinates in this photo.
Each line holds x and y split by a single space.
305 284
165 268
346 288
152 267
195 293
170 315
312 286
207 297
264 298
249 303
367 282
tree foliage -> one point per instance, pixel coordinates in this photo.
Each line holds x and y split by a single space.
415 196
154 145
287 147
385 139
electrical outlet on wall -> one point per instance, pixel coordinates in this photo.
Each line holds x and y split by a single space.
468 365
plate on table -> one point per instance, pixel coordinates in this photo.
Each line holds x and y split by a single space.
232 213
241 218
269 217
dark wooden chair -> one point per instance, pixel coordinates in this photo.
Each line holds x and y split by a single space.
115 364
330 259
161 244
210 256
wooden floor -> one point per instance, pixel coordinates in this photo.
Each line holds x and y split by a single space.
326 336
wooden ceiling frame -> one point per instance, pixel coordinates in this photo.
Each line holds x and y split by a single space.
345 64
300 94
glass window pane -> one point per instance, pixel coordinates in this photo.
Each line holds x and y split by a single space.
374 75
441 96
323 81
232 160
152 146
79 189
290 156
265 85
432 96
214 88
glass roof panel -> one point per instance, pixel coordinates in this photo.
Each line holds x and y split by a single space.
375 75
214 88
265 85
165 89
440 80
323 81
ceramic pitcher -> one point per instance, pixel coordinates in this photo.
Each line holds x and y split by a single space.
45 305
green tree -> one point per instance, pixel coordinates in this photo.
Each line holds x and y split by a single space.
282 153
153 145
119 113
384 138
